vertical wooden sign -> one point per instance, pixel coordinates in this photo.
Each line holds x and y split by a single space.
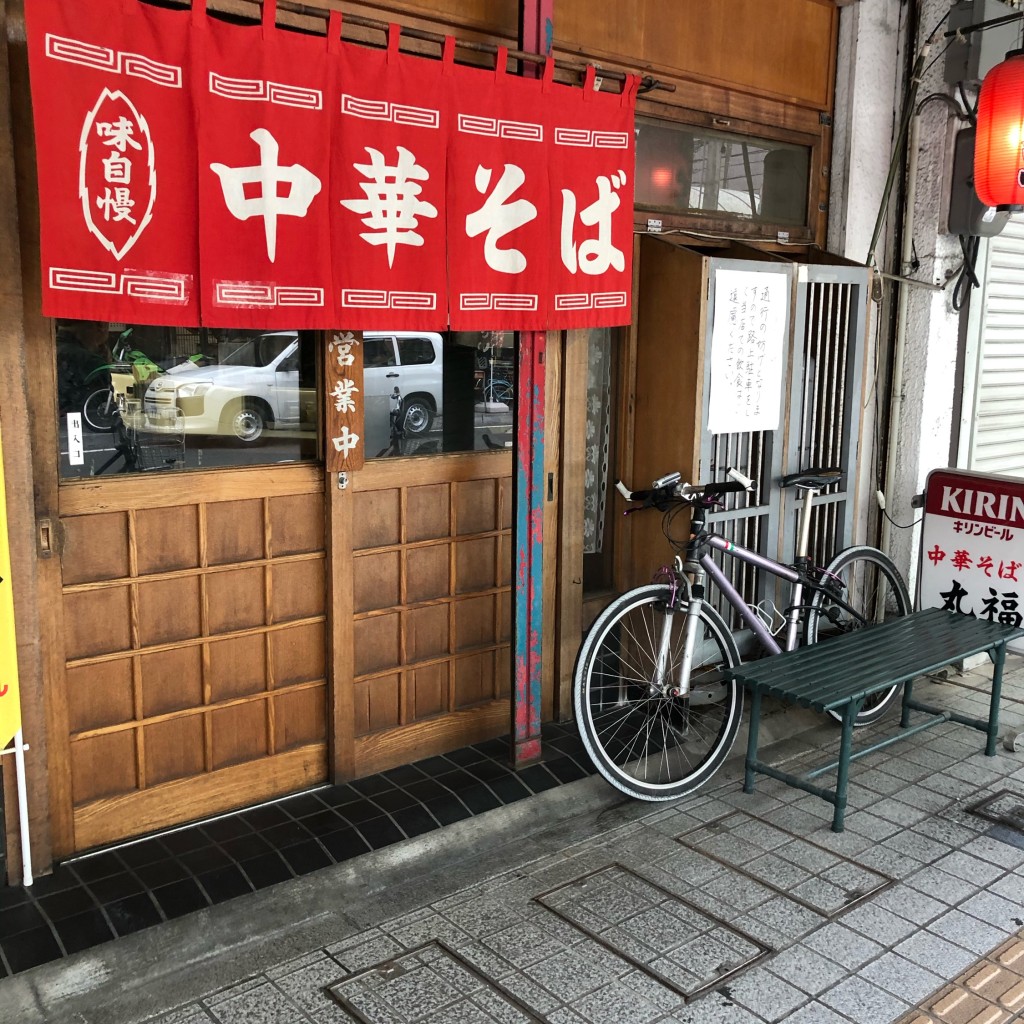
345 404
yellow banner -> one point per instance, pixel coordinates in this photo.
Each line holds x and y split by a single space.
10 704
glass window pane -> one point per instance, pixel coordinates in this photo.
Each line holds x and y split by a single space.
446 393
133 398
378 351
684 169
416 351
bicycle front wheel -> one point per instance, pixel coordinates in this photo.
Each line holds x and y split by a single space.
865 589
99 410
649 745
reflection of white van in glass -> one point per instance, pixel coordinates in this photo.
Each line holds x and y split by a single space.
256 387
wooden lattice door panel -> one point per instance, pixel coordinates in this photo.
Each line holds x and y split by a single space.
431 571
195 652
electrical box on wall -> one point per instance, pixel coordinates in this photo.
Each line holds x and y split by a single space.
967 214
971 56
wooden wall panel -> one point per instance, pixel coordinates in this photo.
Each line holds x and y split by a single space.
97 548
235 600
171 680
97 622
474 679
381 699
297 589
298 653
166 539
474 622
503 673
299 718
427 515
427 573
497 16
102 766
475 507
475 565
169 610
174 750
239 733
376 518
376 581
428 691
296 524
776 48
669 360
100 694
234 531
376 643
237 667
426 632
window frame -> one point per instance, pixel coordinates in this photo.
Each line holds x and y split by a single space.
718 224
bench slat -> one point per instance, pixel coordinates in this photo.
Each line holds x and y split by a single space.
837 673
828 675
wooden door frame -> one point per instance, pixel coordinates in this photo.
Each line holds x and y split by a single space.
575 348
32 566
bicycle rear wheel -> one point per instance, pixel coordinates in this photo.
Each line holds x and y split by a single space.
648 745
873 591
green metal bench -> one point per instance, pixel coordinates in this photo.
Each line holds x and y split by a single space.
838 675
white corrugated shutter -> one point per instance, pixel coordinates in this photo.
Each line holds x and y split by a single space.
992 428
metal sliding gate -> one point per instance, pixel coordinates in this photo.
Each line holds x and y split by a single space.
820 427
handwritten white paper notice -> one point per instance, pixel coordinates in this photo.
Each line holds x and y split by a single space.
748 341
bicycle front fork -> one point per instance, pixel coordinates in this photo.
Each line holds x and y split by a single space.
680 686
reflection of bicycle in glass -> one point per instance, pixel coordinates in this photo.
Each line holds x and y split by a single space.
655 710
110 384
494 389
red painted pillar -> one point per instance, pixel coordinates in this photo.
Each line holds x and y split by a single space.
527 611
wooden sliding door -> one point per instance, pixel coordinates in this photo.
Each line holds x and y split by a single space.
194 628
430 569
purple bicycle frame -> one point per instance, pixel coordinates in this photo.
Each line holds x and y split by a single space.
732 595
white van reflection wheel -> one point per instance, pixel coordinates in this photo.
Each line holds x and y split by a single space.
418 417
247 424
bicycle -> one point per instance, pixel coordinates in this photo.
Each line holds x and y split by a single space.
656 712
493 389
100 407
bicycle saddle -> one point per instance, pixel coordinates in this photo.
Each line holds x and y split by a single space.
811 478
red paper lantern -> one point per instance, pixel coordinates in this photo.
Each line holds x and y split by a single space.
999 146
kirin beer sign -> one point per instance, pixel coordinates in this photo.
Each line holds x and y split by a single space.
117 173
972 546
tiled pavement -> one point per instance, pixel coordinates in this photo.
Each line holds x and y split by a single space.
113 893
723 908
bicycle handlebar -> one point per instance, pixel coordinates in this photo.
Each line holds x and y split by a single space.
671 488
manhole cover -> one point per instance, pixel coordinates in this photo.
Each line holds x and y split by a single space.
1004 808
657 931
817 878
429 983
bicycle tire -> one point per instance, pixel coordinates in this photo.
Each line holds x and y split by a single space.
653 747
99 410
499 391
874 586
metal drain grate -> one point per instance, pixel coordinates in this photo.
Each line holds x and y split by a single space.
429 982
817 878
1004 807
658 932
